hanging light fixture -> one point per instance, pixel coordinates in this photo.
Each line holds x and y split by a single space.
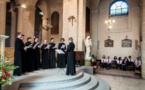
109 23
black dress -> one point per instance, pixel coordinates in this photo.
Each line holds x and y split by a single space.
52 56
24 65
18 56
29 58
45 61
71 59
36 54
61 62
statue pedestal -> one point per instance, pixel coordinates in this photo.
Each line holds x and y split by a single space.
2 43
87 63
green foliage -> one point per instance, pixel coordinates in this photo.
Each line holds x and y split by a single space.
5 68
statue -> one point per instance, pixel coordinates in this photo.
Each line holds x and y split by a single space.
88 44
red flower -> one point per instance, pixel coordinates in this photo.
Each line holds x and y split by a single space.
3 78
3 70
7 74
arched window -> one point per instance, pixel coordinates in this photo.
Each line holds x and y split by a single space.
55 23
118 8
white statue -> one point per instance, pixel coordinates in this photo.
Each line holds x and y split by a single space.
88 44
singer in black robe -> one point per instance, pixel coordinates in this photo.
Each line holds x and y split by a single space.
70 59
18 55
52 55
24 65
29 56
61 61
45 61
36 54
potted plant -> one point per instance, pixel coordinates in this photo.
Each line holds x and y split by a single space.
5 68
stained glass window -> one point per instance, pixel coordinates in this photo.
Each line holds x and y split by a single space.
118 8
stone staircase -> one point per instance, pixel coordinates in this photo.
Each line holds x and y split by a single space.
60 81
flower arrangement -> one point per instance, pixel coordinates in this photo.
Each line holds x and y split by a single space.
5 68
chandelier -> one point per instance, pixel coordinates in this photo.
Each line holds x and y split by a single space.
109 23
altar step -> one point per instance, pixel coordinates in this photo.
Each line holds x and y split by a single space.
80 81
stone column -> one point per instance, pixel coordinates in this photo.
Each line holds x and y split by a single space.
3 16
29 22
75 27
13 28
143 39
81 25
20 19
94 31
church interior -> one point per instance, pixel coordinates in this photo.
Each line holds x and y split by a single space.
116 29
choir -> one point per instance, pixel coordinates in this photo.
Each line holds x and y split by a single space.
32 56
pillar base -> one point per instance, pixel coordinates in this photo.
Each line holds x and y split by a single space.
87 63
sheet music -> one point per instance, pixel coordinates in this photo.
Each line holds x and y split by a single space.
59 51
48 46
29 46
36 45
63 46
56 46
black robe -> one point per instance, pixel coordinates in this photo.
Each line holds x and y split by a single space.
61 61
70 59
24 65
45 61
52 56
18 56
29 58
36 54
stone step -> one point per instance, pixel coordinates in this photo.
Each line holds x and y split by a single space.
51 80
93 84
70 85
103 85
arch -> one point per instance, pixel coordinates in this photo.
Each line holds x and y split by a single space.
118 8
88 19
55 23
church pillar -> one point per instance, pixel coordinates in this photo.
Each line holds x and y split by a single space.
29 21
3 16
13 28
94 31
74 22
143 39
20 19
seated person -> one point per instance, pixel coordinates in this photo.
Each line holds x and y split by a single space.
138 64
93 62
103 62
108 63
131 61
125 63
119 62
115 61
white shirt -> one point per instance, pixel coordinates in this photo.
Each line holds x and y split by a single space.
103 60
131 60
137 63
119 62
108 61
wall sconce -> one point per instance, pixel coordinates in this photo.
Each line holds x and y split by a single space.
71 19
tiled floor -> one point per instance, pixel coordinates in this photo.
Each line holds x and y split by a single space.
120 82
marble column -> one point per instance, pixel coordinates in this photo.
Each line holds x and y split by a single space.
13 28
75 27
3 16
143 39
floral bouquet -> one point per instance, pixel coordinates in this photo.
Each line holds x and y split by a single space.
5 68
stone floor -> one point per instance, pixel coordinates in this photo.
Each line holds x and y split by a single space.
118 79
123 80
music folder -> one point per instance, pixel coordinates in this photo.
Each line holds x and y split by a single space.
59 51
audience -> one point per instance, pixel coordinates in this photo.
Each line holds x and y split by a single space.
138 64
103 61
125 63
108 63
119 63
